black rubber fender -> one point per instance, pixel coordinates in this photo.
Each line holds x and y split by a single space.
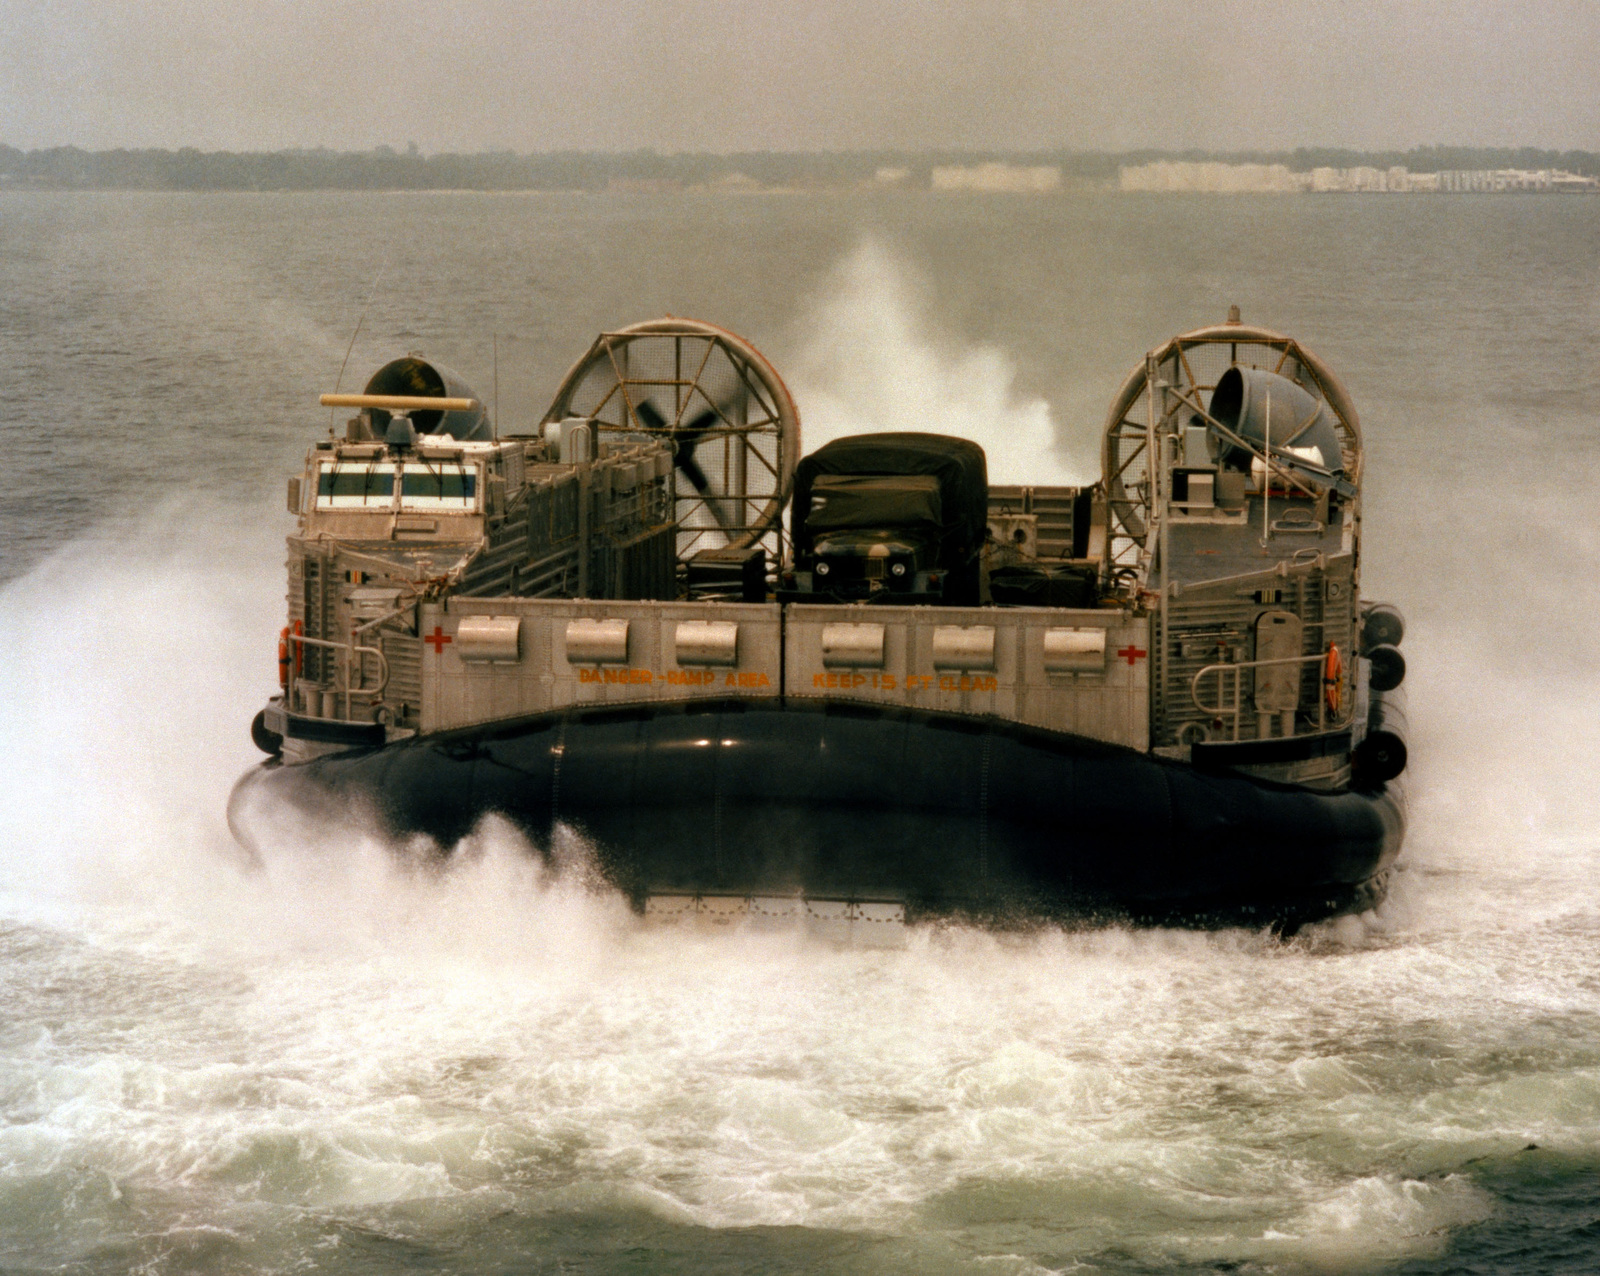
1388 667
950 814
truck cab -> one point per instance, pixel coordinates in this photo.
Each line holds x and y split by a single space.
892 518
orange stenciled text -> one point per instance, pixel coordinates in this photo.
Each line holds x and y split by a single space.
913 682
756 679
631 676
691 678
967 682
839 681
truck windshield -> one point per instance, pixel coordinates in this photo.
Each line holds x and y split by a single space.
438 487
346 486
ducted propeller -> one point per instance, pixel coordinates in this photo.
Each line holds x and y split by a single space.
684 439
686 384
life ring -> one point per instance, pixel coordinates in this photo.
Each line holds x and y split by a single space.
1333 679
283 657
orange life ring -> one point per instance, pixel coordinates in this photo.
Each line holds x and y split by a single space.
283 657
1333 679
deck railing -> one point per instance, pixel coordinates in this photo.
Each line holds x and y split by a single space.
1236 709
346 656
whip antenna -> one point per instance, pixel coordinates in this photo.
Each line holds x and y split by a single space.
339 380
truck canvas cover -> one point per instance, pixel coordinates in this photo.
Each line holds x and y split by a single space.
855 479
852 502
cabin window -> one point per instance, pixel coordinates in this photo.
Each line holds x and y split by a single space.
439 487
344 486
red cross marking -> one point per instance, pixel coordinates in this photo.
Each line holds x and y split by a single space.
1130 653
438 638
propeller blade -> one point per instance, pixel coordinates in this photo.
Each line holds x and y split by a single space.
685 438
684 441
697 476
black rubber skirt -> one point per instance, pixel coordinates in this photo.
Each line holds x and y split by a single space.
951 816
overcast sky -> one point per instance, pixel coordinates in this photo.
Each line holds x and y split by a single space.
726 75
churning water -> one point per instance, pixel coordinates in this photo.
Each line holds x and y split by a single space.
346 1062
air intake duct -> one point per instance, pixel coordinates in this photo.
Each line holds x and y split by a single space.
1254 403
417 376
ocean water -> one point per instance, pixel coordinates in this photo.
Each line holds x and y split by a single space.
346 1063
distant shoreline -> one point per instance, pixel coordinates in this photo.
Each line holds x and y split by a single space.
1315 170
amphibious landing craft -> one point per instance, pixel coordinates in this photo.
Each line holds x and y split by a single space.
863 684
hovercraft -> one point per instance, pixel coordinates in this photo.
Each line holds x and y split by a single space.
863 683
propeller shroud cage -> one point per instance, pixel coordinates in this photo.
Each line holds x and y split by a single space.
732 424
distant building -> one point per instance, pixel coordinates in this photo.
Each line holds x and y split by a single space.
1395 180
642 185
1364 177
1173 175
737 183
1359 179
1464 181
1229 179
1474 180
1573 184
892 176
1008 178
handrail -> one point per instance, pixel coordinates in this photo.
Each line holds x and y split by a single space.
1280 569
1237 669
343 666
